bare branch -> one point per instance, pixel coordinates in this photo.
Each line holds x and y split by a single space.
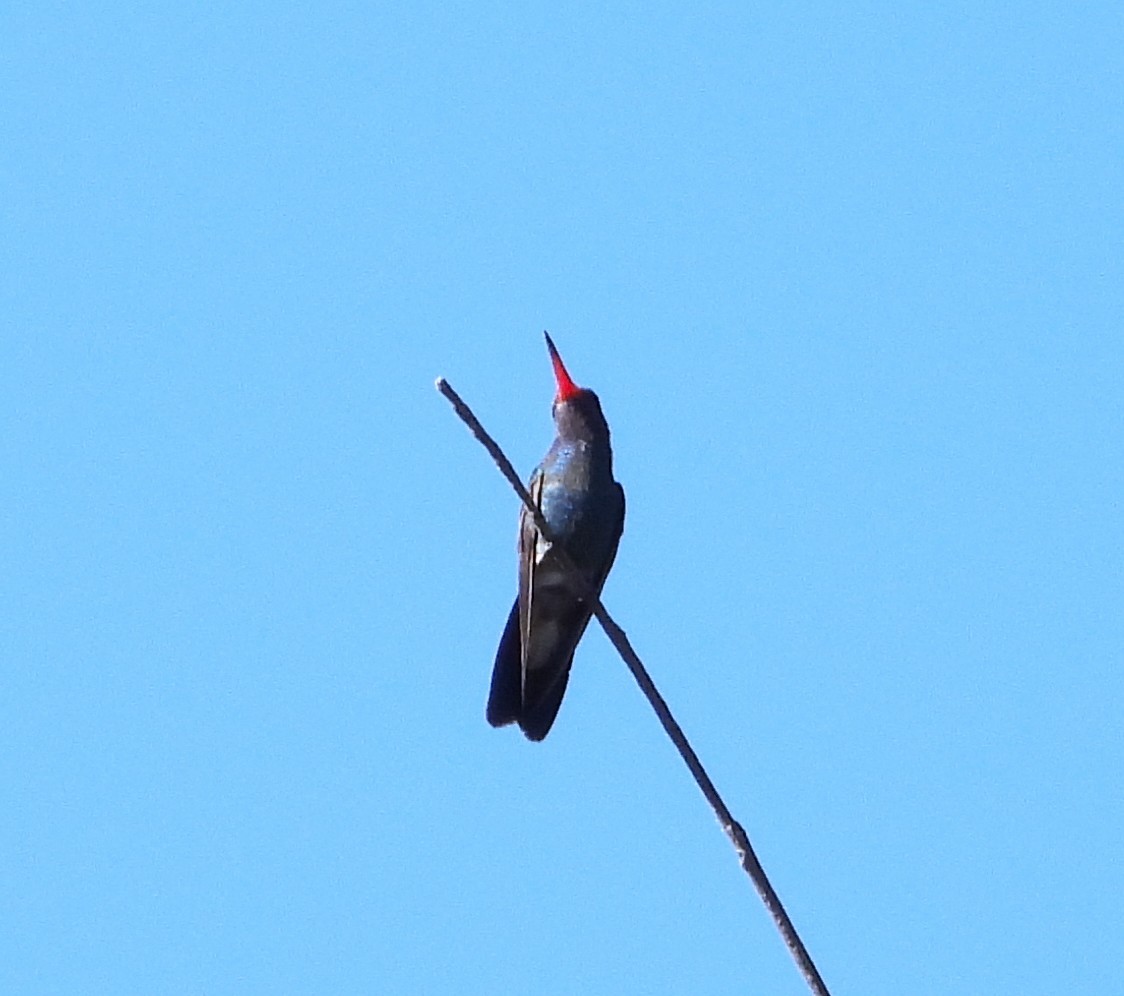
733 829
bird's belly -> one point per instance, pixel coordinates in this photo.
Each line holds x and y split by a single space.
556 619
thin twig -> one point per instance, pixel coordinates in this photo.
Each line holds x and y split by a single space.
733 829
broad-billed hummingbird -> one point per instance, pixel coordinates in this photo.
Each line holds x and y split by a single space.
584 508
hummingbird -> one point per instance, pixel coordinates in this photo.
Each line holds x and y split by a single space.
584 507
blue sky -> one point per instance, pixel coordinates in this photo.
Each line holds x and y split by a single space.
850 284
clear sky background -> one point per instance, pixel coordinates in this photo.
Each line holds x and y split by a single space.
850 284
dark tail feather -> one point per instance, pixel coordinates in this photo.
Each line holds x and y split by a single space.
537 721
505 700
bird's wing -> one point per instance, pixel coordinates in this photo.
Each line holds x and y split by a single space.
618 530
529 553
